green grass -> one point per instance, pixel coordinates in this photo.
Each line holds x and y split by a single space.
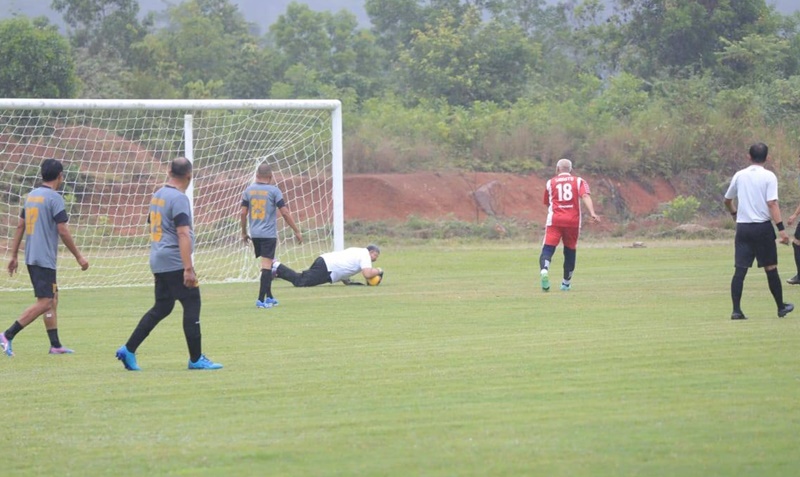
456 365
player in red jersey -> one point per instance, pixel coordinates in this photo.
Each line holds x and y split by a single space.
562 196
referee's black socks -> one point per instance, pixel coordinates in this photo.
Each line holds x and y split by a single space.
774 281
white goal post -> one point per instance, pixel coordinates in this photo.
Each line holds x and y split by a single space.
116 153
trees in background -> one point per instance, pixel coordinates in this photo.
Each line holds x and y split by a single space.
36 61
459 51
462 60
500 81
325 53
675 35
105 28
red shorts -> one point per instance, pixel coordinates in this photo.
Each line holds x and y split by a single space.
554 234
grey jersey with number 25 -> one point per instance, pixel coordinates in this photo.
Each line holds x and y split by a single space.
262 202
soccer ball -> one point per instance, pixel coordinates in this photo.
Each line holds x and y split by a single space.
375 281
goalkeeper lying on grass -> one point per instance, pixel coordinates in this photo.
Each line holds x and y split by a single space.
335 267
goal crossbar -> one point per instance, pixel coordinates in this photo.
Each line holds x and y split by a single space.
188 104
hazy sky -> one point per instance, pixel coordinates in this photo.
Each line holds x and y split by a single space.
261 12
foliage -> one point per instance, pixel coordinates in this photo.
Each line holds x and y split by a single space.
753 59
677 34
206 50
323 51
462 60
102 77
37 61
199 43
395 21
682 209
641 87
779 101
104 27
623 97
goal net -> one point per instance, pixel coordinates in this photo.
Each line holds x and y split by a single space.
116 154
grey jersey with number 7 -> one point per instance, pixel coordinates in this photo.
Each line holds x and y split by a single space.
169 209
44 210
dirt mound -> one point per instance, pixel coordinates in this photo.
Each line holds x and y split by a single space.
477 196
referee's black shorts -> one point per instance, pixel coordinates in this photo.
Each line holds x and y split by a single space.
755 241
169 286
43 281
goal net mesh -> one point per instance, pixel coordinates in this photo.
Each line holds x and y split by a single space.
114 159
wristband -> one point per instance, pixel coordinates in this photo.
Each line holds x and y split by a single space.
733 213
780 226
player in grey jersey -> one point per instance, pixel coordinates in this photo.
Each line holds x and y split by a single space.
261 201
42 222
171 246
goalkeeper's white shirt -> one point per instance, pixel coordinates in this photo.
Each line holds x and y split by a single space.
347 262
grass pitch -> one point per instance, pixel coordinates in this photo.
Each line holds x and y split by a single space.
458 364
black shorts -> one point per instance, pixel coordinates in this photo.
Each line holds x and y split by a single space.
265 247
755 241
797 231
43 281
169 286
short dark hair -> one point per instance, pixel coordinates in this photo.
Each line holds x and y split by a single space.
374 248
180 167
264 170
759 152
51 168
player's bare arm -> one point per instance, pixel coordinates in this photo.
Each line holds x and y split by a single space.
729 207
185 247
15 245
287 216
370 272
66 237
794 216
791 220
775 213
243 221
587 201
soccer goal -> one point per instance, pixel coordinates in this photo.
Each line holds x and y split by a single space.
116 154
